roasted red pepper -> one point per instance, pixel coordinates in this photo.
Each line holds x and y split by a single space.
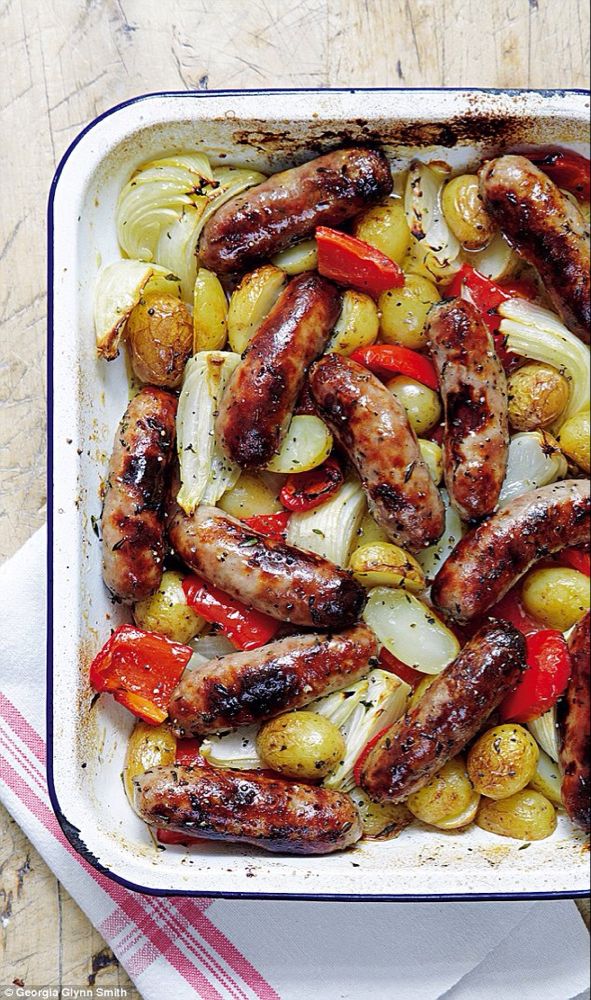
487 296
270 525
245 628
546 677
306 490
354 263
576 559
390 359
140 669
567 169
393 665
365 754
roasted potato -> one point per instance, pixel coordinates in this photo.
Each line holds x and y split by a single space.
538 395
357 326
308 443
527 815
422 404
301 745
547 779
385 228
251 302
149 746
432 456
404 311
575 439
461 819
210 313
556 595
465 213
420 689
448 794
159 335
382 564
369 531
167 611
249 497
502 761
381 820
297 259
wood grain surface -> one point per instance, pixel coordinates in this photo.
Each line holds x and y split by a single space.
65 61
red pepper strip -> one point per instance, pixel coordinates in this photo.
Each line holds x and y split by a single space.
543 682
269 525
487 296
569 170
390 359
307 490
353 262
141 669
395 666
245 628
358 768
576 559
188 754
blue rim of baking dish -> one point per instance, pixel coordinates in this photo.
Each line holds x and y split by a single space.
70 831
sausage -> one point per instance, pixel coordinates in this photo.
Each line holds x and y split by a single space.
448 716
489 559
547 230
289 206
133 517
271 576
262 393
372 427
574 715
248 808
243 688
474 390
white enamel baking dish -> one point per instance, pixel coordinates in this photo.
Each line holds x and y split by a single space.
86 400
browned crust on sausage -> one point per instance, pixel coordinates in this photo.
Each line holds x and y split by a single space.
490 559
275 815
474 390
372 426
289 206
272 576
132 520
574 719
263 390
242 688
547 230
449 714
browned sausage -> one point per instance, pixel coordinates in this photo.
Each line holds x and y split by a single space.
132 518
449 714
372 426
574 717
262 393
242 688
474 391
488 560
546 229
284 582
248 808
289 206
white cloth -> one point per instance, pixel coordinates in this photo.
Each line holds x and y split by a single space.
241 950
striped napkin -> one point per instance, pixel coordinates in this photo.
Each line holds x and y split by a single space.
244 950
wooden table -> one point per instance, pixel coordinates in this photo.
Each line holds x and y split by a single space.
64 62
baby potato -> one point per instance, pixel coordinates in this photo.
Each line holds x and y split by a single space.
463 818
297 259
575 439
448 793
308 443
149 746
249 498
382 564
357 326
432 456
381 820
160 339
422 404
527 815
301 745
419 691
369 531
385 228
502 761
251 302
557 596
538 395
404 311
546 779
465 213
167 611
210 313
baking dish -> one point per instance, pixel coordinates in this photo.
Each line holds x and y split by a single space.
87 739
